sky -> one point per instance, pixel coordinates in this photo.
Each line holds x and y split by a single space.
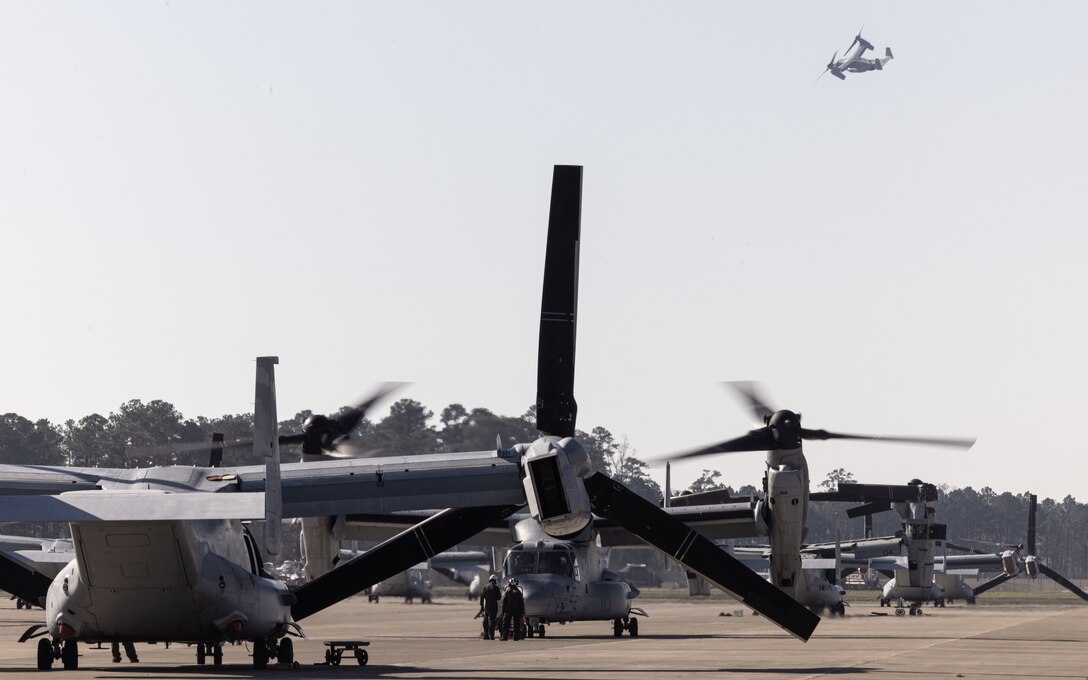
361 188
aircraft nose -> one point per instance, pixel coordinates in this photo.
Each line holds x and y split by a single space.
541 599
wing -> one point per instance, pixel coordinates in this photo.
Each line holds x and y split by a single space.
990 562
732 520
128 505
340 487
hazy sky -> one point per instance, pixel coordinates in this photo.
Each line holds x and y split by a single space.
362 189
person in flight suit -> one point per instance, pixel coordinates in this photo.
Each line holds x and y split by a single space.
489 607
513 610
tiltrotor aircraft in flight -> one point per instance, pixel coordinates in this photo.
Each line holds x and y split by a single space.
856 62
162 555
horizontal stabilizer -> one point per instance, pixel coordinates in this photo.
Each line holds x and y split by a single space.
119 506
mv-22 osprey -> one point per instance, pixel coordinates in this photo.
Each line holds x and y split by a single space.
162 556
783 510
856 62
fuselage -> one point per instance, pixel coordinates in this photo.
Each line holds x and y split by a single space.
154 581
566 581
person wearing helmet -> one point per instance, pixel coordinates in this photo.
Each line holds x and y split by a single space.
513 611
489 607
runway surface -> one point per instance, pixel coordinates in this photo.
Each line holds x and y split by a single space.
681 638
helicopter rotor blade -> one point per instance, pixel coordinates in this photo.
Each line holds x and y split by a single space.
756 440
1069 585
750 392
1032 502
612 500
348 419
933 441
412 546
556 409
992 583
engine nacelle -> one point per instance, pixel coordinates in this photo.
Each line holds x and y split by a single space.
1008 563
551 473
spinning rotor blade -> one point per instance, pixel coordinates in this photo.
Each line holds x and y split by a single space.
756 440
783 430
350 417
756 403
857 37
418 544
556 410
1069 585
830 66
612 500
325 435
933 441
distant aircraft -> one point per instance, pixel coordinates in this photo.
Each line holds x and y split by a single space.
856 62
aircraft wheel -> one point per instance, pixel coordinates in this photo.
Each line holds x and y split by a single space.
540 629
632 627
69 655
201 654
899 611
361 656
260 654
285 651
617 628
45 654
217 655
530 631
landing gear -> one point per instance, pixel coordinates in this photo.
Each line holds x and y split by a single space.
260 654
915 609
899 611
629 624
201 654
217 654
285 651
45 654
69 655
540 629
373 597
837 609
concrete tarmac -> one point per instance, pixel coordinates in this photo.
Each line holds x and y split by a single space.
681 638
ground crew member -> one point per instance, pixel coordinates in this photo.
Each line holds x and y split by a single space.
130 652
513 610
489 607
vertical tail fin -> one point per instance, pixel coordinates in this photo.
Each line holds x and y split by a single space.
266 443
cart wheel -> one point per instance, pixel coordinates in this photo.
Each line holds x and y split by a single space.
361 656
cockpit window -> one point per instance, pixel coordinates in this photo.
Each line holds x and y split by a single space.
521 562
556 562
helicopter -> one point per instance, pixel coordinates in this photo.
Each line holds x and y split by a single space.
856 62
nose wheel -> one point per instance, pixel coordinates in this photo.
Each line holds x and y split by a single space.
630 624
